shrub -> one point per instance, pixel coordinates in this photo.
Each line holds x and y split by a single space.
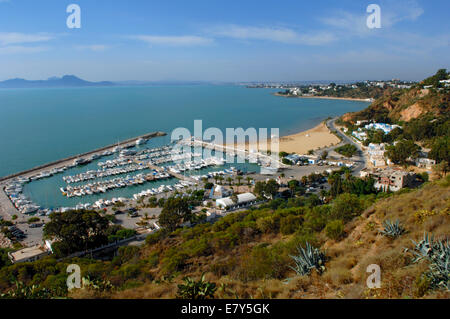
335 229
290 224
346 207
195 290
155 237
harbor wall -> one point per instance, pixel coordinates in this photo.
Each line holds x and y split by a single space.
102 149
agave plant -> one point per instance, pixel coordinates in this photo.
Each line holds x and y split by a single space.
438 254
393 229
309 258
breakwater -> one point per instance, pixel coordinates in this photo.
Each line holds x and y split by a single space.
125 144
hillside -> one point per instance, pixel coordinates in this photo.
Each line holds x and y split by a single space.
247 258
407 104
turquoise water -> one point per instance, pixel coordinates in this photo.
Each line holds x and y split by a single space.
42 125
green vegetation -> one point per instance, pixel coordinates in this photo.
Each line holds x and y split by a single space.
76 231
266 189
348 150
196 290
175 211
33 220
403 150
308 258
437 253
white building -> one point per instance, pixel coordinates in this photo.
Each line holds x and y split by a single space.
386 128
376 154
362 136
242 201
425 162
29 254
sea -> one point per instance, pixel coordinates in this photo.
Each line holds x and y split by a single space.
38 126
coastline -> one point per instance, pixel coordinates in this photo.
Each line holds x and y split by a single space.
300 143
325 98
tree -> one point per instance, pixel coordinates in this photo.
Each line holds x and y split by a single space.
76 230
346 207
293 184
229 180
239 178
348 150
441 169
266 189
271 188
304 180
440 151
403 150
324 155
175 212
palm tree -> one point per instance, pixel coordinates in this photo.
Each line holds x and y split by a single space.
239 178
304 180
229 180
216 177
249 179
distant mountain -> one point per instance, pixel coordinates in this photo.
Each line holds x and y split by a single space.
65 81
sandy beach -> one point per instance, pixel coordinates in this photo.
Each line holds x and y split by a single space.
300 143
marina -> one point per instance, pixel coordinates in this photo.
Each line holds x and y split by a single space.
120 176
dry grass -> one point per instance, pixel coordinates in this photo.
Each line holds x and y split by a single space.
345 275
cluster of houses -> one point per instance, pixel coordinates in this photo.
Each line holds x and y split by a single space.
390 179
296 159
361 133
445 83
296 89
224 200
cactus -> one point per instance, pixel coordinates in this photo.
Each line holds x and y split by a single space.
438 254
309 258
192 289
23 291
392 229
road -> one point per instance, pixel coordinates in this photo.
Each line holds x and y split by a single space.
359 158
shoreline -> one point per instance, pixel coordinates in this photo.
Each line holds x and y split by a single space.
300 143
325 98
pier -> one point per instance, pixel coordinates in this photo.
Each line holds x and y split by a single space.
125 144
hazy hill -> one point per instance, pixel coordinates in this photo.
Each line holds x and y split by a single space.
65 81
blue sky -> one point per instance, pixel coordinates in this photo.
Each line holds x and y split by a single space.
231 40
